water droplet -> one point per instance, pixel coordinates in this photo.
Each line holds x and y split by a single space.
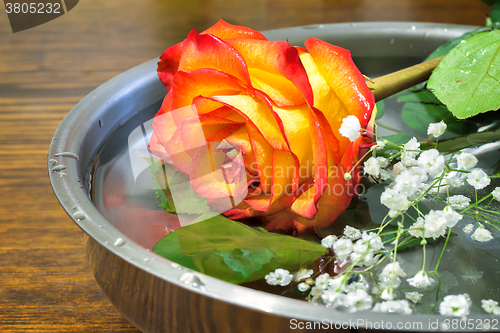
58 168
106 242
413 27
445 29
67 154
146 259
119 242
174 265
192 280
100 123
62 174
391 41
52 161
101 226
78 215
122 122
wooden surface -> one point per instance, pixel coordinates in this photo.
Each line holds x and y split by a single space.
45 280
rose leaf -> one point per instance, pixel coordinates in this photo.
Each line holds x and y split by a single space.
467 80
235 252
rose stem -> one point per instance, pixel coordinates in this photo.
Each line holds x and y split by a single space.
393 83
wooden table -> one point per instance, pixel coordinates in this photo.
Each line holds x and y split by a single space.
45 280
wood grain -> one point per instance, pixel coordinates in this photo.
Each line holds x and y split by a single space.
46 284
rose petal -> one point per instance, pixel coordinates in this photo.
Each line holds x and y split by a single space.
225 30
195 130
259 114
202 82
277 70
336 66
202 51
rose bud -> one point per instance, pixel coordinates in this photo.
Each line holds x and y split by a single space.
255 125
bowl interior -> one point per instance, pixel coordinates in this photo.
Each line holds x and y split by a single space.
107 135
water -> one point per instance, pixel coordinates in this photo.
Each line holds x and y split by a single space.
123 194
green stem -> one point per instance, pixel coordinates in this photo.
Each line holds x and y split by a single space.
442 251
393 83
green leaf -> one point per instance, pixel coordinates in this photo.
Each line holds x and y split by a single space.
447 47
235 252
418 116
398 139
471 140
495 12
174 191
467 80
169 248
380 109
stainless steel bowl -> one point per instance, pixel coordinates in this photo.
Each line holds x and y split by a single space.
157 295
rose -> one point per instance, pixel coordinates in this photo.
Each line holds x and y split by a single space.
255 125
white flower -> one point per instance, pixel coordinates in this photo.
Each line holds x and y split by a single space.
478 179
435 224
352 233
280 277
466 161
392 269
468 228
489 305
315 291
451 216
413 296
455 305
350 127
407 184
387 294
381 144
482 235
392 199
322 281
360 247
459 201
410 152
419 173
328 241
496 193
400 306
303 274
385 282
432 162
354 286
372 167
420 280
436 129
398 168
336 283
375 241
417 228
303 287
332 298
359 300
454 179
342 248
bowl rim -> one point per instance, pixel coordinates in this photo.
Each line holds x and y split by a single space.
75 200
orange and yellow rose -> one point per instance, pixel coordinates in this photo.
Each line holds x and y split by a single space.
255 125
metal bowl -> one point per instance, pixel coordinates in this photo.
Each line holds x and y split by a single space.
157 295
